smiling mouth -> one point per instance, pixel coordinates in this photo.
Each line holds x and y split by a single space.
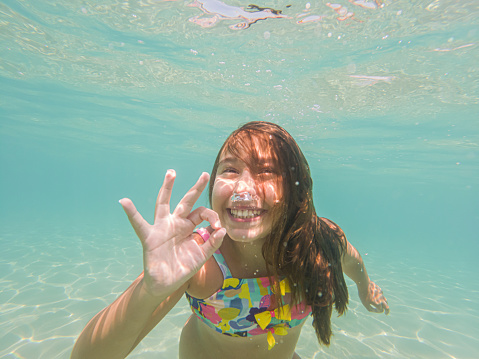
245 213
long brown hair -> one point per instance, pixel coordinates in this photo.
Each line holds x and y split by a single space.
302 247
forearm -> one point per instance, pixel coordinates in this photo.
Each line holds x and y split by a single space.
113 332
353 267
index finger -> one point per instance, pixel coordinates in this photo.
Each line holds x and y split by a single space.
189 199
162 207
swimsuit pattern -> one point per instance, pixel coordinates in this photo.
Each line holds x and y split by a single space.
240 307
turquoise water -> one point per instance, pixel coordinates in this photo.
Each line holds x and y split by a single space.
97 100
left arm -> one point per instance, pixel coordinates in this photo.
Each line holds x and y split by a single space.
369 292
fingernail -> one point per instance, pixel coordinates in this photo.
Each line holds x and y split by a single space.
218 224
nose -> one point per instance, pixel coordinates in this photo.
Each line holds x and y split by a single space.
245 183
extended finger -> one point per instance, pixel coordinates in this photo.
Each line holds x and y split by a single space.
162 207
137 221
201 214
188 201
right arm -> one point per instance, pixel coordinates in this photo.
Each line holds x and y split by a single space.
117 329
171 256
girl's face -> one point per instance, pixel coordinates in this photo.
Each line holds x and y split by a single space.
250 219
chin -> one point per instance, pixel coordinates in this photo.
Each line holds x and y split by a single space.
245 236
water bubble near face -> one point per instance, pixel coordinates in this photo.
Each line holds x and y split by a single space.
243 196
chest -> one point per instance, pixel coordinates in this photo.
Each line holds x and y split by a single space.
210 279
245 307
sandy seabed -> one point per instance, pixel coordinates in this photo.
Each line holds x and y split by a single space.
51 284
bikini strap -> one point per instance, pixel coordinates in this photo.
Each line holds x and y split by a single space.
222 264
205 235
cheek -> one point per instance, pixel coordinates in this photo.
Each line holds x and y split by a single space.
222 191
272 193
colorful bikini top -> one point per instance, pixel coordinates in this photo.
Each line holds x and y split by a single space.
240 306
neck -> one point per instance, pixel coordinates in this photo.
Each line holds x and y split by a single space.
245 259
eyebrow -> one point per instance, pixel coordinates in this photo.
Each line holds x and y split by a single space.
233 160
228 160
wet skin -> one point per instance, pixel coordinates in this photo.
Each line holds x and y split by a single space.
234 176
241 249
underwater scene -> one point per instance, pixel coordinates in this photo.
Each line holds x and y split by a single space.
99 98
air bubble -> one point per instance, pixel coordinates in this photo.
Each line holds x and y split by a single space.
296 183
320 294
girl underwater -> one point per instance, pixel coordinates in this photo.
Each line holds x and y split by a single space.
253 276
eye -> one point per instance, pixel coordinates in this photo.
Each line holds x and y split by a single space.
266 171
230 170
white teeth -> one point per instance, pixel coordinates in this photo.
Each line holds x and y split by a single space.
245 213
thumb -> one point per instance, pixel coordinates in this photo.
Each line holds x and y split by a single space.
214 242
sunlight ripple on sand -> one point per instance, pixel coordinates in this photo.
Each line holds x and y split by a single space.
49 291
